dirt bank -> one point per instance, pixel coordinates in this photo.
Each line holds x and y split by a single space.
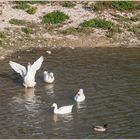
66 34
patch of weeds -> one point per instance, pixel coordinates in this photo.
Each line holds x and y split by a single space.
55 17
103 24
125 5
17 21
73 30
25 6
31 10
68 4
135 18
21 5
38 2
27 30
135 29
119 5
2 37
98 23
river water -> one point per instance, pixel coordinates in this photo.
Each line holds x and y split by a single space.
110 78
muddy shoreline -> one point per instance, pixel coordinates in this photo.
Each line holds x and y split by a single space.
63 42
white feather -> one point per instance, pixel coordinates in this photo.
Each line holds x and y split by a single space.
36 65
18 68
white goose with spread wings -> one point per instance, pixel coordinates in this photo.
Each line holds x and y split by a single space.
28 74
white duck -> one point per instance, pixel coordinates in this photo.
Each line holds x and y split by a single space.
100 128
62 110
79 97
28 74
48 77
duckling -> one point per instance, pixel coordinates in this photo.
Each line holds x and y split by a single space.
79 97
100 128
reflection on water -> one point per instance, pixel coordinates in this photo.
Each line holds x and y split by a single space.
30 99
64 118
29 95
80 105
110 78
50 89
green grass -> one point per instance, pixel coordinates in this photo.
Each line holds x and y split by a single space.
31 10
37 2
17 21
125 5
24 5
103 24
55 17
21 5
2 37
118 5
98 23
27 30
68 4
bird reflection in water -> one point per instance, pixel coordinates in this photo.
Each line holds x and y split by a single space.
50 89
29 95
80 105
30 98
65 117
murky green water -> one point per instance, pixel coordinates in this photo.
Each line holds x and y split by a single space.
110 78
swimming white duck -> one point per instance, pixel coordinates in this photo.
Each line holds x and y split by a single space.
48 77
100 128
79 97
28 74
62 110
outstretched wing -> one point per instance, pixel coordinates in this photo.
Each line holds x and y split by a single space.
37 64
18 68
